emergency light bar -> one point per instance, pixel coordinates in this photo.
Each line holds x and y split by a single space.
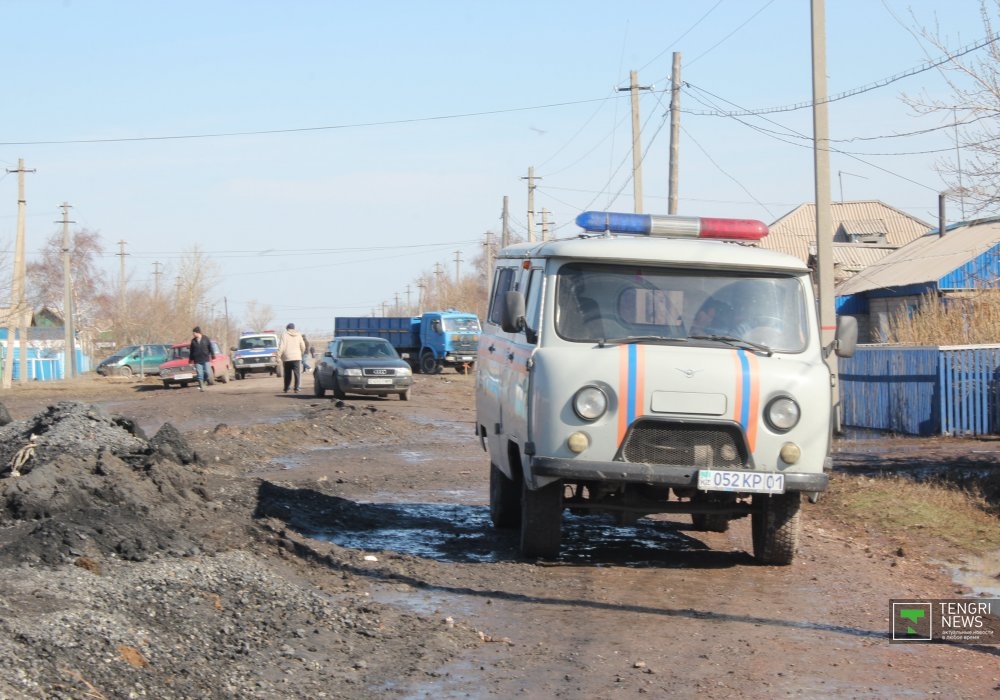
670 226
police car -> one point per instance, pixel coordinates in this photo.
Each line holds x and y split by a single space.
256 351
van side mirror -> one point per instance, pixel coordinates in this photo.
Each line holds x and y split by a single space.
512 313
846 340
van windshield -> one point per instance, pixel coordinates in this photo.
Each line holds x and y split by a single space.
597 302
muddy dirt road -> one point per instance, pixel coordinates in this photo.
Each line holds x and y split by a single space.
373 515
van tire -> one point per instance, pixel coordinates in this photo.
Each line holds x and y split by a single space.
541 520
125 371
505 500
775 526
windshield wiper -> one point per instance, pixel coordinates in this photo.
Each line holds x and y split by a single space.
736 342
633 339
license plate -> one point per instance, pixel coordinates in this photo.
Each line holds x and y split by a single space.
742 482
380 380
183 376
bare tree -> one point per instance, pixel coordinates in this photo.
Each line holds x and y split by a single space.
258 316
45 283
974 80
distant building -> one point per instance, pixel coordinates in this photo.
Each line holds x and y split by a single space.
966 258
862 233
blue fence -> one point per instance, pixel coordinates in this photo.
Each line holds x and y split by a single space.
44 366
925 390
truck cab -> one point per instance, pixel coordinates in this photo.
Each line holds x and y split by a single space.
644 368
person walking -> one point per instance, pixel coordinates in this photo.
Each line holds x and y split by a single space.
201 355
306 354
290 350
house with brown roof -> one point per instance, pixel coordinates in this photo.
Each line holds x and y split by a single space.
862 232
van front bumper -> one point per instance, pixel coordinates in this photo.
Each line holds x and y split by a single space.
658 474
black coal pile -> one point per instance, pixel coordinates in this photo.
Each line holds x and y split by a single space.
76 482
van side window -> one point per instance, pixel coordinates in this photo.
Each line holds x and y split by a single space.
533 294
502 283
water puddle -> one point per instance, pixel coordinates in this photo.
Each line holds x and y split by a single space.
980 574
462 533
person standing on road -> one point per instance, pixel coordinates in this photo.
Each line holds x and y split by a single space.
290 350
305 354
201 355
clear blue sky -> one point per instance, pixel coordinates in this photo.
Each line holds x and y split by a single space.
325 154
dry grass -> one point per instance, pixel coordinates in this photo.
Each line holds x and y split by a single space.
972 319
929 515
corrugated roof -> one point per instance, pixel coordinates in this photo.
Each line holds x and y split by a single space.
850 258
795 232
927 259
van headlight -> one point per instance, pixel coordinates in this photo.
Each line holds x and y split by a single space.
590 403
782 414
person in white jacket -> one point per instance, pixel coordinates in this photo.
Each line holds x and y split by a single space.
290 350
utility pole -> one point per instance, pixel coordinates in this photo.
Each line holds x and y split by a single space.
69 332
824 233
458 263
156 280
19 306
675 132
505 223
531 202
545 224
634 88
489 258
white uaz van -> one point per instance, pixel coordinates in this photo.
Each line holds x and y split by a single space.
643 368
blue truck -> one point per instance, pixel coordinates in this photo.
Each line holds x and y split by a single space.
429 342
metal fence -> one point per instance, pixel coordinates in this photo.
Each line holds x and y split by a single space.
925 390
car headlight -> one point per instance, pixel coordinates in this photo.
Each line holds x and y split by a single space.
404 372
590 403
352 372
782 414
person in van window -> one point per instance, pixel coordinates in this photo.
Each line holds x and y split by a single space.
201 355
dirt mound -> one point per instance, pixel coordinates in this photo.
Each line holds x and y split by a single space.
79 483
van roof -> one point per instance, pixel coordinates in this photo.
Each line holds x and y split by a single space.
659 251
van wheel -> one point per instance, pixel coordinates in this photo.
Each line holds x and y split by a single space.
541 520
505 500
125 370
775 525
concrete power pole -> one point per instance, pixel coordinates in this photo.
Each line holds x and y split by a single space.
675 132
824 225
19 314
634 88
531 202
505 223
489 258
69 332
545 224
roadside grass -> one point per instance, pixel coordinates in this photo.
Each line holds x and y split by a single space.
931 515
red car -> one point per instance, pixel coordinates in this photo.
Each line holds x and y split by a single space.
179 369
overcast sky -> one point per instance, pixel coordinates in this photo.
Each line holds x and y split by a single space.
326 154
